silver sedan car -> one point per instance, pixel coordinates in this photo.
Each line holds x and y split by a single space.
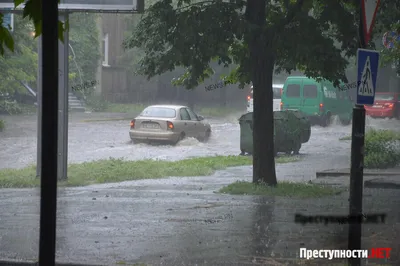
168 123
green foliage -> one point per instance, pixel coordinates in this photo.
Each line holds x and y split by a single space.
10 107
96 103
33 12
84 39
382 149
20 65
392 56
2 125
387 20
181 33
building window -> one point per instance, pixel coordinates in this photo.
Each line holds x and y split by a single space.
105 50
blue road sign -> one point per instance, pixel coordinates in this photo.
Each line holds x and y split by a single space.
367 74
8 19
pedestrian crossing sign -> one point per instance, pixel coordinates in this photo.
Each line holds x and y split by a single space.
367 74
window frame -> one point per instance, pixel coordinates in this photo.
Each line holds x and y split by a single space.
180 114
105 50
196 118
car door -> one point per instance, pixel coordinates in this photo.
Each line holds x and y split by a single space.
311 97
291 97
187 124
198 126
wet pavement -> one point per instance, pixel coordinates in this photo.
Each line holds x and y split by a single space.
180 221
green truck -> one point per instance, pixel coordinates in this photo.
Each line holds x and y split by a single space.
291 130
318 100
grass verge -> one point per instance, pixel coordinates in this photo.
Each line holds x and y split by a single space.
118 170
2 125
283 189
345 138
135 109
129 108
217 111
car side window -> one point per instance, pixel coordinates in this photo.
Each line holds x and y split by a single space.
192 115
184 114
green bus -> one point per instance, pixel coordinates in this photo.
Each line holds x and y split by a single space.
318 100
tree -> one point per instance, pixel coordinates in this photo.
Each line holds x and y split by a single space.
257 35
33 11
388 21
20 65
84 40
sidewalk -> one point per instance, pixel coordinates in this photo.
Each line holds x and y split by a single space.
373 178
181 221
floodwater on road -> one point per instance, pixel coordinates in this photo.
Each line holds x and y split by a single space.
90 141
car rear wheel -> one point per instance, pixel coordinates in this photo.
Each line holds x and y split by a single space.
207 135
181 137
326 120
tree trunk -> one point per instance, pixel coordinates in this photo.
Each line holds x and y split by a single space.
262 67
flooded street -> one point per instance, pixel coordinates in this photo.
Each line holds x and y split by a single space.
90 141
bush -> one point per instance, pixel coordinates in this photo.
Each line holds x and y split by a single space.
2 125
96 103
382 149
10 107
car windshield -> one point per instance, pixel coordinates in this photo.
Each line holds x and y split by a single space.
384 97
162 112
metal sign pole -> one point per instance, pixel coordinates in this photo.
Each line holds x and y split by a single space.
39 109
367 10
63 104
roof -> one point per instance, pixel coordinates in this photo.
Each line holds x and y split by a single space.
172 106
274 85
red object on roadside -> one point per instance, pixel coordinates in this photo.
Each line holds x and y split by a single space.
386 105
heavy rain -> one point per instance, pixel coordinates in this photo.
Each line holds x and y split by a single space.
184 149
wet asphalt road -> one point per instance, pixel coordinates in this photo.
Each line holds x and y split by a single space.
178 221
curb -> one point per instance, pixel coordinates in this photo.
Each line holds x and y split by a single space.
25 263
337 174
382 184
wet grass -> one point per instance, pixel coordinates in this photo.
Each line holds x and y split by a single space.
283 189
345 138
128 108
217 111
2 125
118 170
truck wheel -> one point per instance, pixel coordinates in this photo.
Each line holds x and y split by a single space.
345 121
326 120
397 115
